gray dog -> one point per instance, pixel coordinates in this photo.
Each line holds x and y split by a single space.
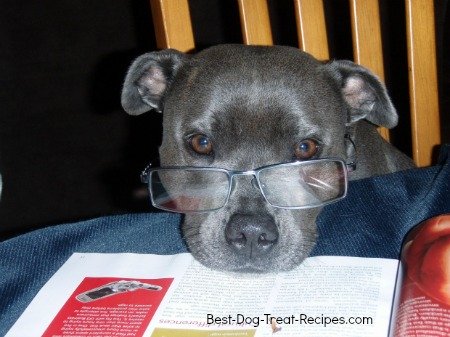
240 108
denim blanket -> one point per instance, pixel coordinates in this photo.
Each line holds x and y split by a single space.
372 222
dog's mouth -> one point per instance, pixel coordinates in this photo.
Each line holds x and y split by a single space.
277 259
253 267
250 269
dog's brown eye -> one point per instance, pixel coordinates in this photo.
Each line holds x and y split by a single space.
306 149
201 144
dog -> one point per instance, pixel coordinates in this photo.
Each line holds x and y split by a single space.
244 107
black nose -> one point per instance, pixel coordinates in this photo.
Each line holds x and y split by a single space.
251 235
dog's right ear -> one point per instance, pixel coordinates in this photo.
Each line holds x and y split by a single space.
148 79
365 95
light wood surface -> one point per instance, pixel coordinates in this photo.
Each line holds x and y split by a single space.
172 22
255 22
311 28
423 89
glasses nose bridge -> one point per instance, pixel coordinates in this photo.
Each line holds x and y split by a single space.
253 173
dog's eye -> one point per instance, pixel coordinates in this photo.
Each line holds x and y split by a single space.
201 144
306 149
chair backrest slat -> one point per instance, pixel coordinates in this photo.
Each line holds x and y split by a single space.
311 28
366 36
423 89
255 22
172 22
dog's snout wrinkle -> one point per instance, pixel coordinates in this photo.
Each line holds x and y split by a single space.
251 236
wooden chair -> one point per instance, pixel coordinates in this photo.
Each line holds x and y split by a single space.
174 30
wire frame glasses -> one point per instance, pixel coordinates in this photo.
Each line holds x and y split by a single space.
294 185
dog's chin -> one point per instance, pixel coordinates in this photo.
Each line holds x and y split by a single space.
252 268
228 261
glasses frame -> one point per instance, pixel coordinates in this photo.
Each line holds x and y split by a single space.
147 173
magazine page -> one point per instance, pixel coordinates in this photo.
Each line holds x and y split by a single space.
153 295
338 296
325 296
101 295
424 305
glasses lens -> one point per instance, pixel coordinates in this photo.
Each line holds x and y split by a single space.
304 184
187 190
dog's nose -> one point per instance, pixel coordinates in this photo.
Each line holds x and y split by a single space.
251 235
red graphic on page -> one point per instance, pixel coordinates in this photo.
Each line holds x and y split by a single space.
427 257
109 307
424 307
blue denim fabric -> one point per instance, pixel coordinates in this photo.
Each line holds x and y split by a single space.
372 221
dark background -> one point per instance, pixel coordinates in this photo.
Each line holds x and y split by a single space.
67 149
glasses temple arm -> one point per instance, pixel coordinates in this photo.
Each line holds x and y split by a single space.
351 153
145 173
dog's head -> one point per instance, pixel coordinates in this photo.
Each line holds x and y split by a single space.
241 108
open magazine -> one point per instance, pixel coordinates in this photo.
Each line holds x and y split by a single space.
173 295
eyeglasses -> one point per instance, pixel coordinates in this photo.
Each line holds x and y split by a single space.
295 185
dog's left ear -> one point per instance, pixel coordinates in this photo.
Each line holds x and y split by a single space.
365 95
148 79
